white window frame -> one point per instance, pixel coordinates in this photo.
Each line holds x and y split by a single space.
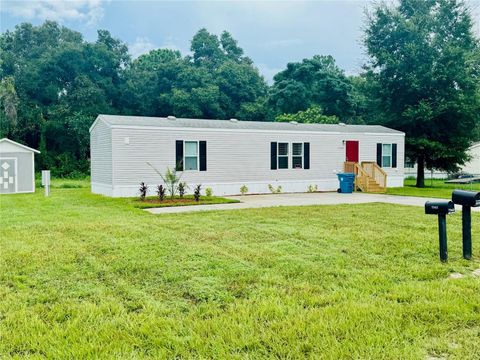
283 156
390 155
185 155
301 155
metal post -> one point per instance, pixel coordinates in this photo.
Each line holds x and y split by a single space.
467 232
46 181
442 235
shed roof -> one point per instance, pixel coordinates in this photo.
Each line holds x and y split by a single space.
14 143
162 122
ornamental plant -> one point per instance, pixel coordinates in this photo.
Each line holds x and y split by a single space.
196 192
143 191
161 192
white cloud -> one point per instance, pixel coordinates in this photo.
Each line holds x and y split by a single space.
283 43
87 11
142 45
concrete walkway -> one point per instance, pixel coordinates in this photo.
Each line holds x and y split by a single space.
303 199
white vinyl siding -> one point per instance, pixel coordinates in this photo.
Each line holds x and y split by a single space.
235 157
101 166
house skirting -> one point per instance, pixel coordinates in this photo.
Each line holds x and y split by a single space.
233 188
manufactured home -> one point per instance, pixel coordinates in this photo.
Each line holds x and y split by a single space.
227 154
17 167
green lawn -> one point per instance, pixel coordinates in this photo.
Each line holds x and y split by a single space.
84 276
435 188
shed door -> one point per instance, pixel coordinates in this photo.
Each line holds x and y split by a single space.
8 176
351 152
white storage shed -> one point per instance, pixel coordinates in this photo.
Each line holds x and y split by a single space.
17 167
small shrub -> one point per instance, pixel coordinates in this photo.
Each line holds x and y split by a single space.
170 178
182 188
243 189
208 191
196 192
312 188
161 192
143 190
272 189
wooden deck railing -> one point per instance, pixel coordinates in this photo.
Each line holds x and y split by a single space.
375 172
369 177
361 177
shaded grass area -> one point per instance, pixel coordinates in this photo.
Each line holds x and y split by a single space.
63 183
434 189
84 276
187 200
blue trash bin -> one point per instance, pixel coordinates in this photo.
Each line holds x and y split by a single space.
347 181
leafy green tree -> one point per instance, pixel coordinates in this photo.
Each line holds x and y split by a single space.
8 104
313 115
217 82
315 81
424 56
60 80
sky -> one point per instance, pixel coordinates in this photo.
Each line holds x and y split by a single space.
272 33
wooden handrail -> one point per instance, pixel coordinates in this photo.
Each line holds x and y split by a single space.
376 172
361 178
369 177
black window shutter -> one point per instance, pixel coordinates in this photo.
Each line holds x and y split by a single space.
179 155
394 155
203 156
273 156
306 155
379 154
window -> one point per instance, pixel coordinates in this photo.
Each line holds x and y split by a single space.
386 155
191 155
297 155
283 155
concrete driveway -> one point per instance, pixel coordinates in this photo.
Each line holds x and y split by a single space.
300 199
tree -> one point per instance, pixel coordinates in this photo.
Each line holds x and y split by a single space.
315 81
424 56
62 83
313 115
8 104
217 82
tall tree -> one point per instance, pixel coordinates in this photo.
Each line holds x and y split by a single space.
60 81
218 81
8 104
316 81
424 56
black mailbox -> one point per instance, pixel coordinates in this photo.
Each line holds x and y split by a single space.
466 198
439 207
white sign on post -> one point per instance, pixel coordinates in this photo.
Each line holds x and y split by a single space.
46 181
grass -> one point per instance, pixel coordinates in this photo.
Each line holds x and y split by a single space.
84 276
187 200
435 189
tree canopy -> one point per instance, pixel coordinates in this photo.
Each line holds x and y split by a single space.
424 56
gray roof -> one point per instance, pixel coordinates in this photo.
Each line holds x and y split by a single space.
144 121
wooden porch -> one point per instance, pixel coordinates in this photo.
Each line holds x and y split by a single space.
369 177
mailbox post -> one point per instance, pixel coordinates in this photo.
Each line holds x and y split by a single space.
442 209
46 181
467 199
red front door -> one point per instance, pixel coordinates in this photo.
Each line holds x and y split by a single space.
351 151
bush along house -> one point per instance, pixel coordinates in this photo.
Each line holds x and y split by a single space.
229 155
